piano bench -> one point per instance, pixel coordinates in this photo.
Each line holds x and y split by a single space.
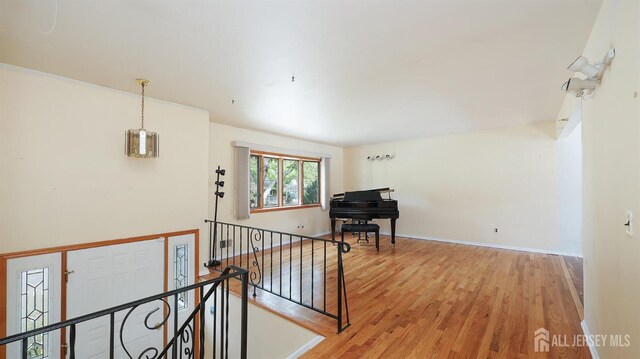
362 228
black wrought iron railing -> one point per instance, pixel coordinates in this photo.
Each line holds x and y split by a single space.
181 343
304 270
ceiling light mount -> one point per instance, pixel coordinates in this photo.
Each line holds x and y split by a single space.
582 65
579 87
380 157
143 82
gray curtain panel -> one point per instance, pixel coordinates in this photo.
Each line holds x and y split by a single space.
325 189
242 182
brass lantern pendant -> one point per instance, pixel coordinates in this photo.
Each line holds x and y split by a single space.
141 143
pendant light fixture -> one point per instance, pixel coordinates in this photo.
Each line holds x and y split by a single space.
140 143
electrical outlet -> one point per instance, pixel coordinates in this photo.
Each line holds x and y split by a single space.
628 224
495 230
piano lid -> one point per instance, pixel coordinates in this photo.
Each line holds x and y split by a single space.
367 195
362 196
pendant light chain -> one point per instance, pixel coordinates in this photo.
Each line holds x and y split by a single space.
142 84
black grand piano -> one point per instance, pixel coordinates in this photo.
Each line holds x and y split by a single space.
364 206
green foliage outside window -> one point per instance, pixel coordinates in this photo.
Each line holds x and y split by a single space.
290 195
254 179
296 177
311 182
271 180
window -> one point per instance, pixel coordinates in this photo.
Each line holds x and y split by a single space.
271 180
34 290
254 184
311 182
181 273
279 181
290 183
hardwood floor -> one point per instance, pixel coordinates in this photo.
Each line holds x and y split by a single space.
573 276
424 299
574 268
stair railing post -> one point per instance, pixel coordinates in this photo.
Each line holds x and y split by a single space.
339 278
211 241
215 232
174 348
202 323
243 315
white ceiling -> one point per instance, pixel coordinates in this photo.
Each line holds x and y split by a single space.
365 71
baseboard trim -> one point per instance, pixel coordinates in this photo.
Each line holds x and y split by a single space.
488 245
321 234
592 348
305 348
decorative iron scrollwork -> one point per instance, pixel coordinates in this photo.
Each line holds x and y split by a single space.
255 277
151 352
344 247
186 337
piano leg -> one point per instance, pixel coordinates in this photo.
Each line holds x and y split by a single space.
333 229
393 231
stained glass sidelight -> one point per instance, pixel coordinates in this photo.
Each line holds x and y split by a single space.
34 310
181 273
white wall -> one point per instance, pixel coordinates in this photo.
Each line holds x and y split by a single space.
461 187
59 189
269 336
611 138
314 220
569 169
64 178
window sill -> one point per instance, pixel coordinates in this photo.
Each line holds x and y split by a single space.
287 208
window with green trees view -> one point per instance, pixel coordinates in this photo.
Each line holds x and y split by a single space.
281 181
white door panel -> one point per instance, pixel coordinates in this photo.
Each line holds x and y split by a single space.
104 277
37 303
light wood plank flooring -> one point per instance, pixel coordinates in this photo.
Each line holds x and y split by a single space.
425 299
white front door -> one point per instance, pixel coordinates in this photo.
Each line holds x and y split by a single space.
33 301
104 277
